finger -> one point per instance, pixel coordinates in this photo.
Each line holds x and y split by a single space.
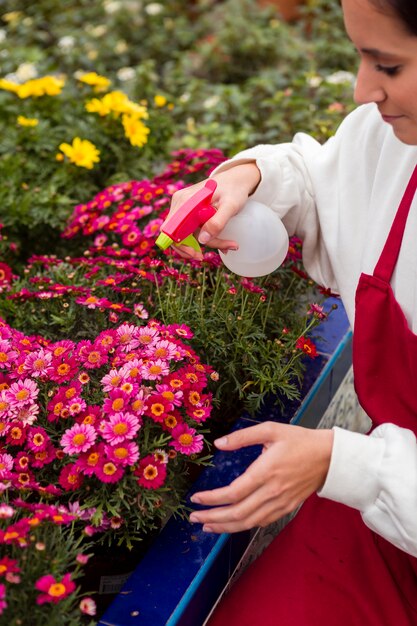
242 487
187 252
211 230
233 520
260 434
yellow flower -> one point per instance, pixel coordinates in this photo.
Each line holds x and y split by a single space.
100 83
82 152
12 17
7 85
160 101
27 121
135 130
46 86
97 106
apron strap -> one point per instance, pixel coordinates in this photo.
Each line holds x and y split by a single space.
388 259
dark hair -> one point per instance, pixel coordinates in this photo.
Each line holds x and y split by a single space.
404 10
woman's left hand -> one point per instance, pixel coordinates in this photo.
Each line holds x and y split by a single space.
293 464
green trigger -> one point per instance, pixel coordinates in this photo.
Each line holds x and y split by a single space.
192 242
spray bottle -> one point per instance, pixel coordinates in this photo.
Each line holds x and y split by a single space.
260 234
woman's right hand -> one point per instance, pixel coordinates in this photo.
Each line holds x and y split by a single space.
234 186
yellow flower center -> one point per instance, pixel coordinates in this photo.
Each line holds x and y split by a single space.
56 590
121 453
78 439
185 439
22 394
117 404
120 428
150 472
109 469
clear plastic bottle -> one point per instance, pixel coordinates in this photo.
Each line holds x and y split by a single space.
262 239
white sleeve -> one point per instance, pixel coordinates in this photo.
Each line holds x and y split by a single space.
316 191
377 474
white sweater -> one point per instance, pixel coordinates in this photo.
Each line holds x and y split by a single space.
341 198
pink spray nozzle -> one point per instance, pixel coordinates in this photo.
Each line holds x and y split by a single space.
190 216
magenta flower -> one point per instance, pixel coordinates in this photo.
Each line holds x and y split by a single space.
109 472
78 439
7 354
37 439
151 473
117 401
186 440
123 454
54 590
3 603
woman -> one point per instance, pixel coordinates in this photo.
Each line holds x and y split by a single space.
350 555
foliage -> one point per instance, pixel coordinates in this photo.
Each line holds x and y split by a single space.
42 546
237 323
44 170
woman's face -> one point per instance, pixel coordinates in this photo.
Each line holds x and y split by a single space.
387 73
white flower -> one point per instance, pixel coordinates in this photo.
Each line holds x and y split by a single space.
25 71
314 81
211 102
66 43
99 30
338 78
112 7
125 73
121 46
154 8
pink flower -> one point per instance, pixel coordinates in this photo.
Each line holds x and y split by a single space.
119 427
38 363
22 392
26 415
54 590
88 606
94 357
6 511
78 439
140 311
112 380
151 473
6 465
7 354
185 440
162 349
155 370
127 336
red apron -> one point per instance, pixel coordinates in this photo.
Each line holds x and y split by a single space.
326 568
